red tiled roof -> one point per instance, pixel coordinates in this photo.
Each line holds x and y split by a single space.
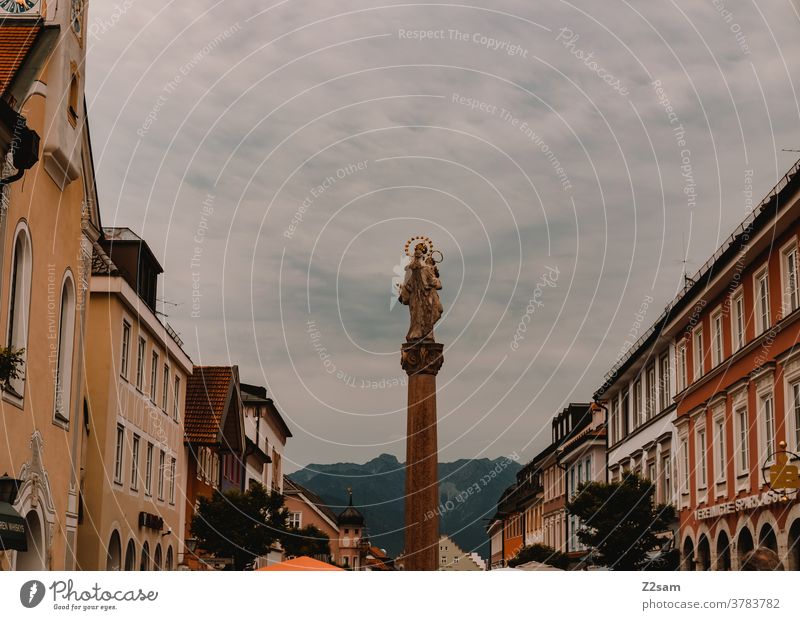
15 41
207 394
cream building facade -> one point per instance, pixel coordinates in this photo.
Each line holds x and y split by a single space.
134 457
48 226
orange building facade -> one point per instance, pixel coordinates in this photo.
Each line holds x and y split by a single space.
736 333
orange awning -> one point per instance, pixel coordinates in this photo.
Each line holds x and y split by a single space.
302 563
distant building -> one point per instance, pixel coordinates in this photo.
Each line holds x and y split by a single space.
453 557
349 543
495 532
582 455
307 508
136 375
266 434
213 430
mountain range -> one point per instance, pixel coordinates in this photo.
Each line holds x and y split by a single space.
468 493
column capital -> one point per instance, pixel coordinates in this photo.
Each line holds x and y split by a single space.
423 357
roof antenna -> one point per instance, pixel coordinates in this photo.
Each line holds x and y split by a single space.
687 281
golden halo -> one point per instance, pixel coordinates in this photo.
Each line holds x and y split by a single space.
425 242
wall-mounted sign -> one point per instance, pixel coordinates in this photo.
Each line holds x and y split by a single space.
740 504
150 521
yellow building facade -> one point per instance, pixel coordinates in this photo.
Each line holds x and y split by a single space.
48 227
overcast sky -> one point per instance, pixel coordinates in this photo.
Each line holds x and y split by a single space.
573 154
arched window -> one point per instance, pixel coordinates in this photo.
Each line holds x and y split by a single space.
19 301
145 563
66 338
157 558
130 556
114 552
168 565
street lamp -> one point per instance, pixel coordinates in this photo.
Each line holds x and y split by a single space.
191 545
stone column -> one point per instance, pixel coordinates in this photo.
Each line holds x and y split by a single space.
421 360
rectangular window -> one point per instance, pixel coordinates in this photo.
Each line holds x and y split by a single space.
700 450
719 440
148 471
176 399
650 403
140 363
615 436
135 463
165 389
625 412
651 472
697 341
160 474
681 368
664 392
126 347
172 473
796 412
666 477
742 435
737 320
153 377
637 402
768 415
716 339
118 454
790 279
762 302
296 520
684 467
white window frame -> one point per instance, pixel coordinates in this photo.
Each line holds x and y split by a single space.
125 352
767 420
701 456
141 351
651 392
717 338
638 407
664 384
738 320
154 361
742 433
790 294
666 478
162 463
762 313
681 367
66 341
720 449
136 442
19 306
165 388
173 472
119 454
176 398
148 473
698 353
683 466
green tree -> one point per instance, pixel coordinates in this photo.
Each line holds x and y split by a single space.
540 553
620 521
308 541
240 525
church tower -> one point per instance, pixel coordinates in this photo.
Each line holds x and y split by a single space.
351 535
